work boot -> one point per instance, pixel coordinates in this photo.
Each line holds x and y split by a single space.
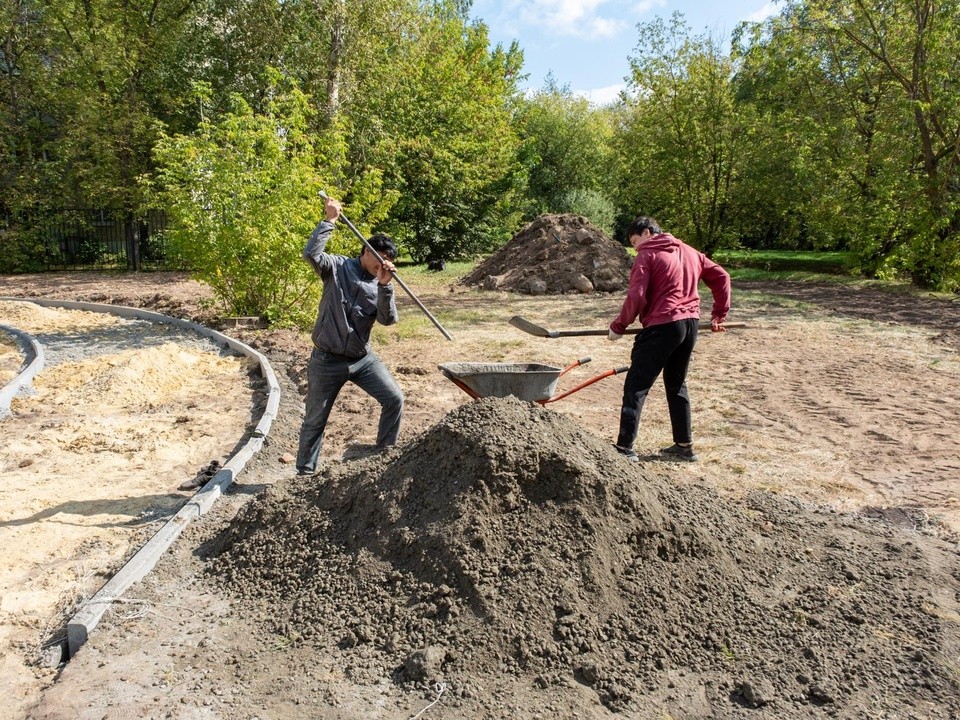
628 453
683 453
202 477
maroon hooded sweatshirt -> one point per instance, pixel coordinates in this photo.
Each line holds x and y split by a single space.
663 284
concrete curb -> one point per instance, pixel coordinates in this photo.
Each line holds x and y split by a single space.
33 362
86 619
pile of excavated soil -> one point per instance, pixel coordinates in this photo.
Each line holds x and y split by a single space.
506 541
555 254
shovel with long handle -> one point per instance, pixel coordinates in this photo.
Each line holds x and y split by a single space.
530 328
396 277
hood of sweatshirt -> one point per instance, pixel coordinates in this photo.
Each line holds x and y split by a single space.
664 242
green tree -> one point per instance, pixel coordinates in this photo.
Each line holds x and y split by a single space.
110 74
413 91
242 193
679 147
20 91
439 123
868 91
567 148
86 87
806 160
915 47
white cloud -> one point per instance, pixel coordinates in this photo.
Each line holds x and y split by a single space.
601 96
763 13
588 19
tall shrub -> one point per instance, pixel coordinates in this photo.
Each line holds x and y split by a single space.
242 193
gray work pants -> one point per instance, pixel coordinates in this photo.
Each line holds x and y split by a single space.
326 375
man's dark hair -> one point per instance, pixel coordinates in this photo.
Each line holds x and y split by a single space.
643 223
384 245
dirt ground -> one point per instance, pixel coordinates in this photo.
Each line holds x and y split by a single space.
836 408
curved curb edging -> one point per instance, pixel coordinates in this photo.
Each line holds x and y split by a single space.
33 360
86 619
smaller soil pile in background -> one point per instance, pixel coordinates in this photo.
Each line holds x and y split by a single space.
555 254
507 542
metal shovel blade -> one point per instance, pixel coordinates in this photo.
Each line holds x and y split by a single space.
532 329
529 328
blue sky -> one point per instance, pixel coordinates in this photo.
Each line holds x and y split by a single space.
585 43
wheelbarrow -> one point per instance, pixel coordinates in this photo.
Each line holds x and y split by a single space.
532 382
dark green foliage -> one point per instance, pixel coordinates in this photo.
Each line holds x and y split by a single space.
830 126
786 261
680 143
568 153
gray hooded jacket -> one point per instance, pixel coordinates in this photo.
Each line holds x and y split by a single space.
352 299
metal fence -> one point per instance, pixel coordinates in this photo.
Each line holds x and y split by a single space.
89 239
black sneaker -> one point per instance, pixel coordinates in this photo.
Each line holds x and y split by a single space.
628 453
679 452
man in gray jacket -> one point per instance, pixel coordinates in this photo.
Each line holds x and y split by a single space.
357 292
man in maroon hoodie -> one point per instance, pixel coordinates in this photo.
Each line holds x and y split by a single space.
663 294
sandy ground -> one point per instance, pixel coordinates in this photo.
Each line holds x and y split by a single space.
840 397
91 461
11 358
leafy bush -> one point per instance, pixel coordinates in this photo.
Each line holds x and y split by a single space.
242 195
593 205
20 250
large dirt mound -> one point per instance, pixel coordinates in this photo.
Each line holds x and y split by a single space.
505 541
555 254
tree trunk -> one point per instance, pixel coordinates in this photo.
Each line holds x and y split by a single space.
338 32
131 229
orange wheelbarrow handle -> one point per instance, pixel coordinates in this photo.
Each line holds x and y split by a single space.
585 383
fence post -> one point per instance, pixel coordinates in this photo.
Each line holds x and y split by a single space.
132 231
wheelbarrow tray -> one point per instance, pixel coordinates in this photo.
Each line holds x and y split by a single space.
527 381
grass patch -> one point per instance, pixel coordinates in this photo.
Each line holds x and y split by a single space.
757 275
726 654
500 350
465 318
421 277
411 326
828 263
415 325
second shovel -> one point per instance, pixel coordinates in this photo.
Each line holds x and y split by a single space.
532 329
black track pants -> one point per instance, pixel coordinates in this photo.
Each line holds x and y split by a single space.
660 348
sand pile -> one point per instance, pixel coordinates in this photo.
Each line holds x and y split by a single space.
147 377
11 359
36 319
555 254
506 542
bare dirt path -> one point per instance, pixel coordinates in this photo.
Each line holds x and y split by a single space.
841 398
